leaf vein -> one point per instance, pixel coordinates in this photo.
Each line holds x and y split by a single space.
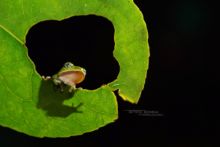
11 34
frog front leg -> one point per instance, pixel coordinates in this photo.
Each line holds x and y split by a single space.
72 87
57 81
59 84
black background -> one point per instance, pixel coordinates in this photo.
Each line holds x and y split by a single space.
182 80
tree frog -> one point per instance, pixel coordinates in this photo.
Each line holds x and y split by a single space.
69 75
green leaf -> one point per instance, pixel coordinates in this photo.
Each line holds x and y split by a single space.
32 106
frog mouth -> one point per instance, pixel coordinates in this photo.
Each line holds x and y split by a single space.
72 77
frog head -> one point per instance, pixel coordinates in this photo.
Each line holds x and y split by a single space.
69 75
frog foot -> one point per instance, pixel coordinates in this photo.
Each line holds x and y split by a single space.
46 78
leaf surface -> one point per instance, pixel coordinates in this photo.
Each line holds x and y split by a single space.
32 106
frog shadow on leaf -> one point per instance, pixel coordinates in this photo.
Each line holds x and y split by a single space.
51 100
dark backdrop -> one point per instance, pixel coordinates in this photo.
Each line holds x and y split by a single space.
179 104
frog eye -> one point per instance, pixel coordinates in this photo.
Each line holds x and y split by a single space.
68 64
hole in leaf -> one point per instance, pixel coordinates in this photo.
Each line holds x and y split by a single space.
86 41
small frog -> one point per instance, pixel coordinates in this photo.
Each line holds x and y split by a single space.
69 75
